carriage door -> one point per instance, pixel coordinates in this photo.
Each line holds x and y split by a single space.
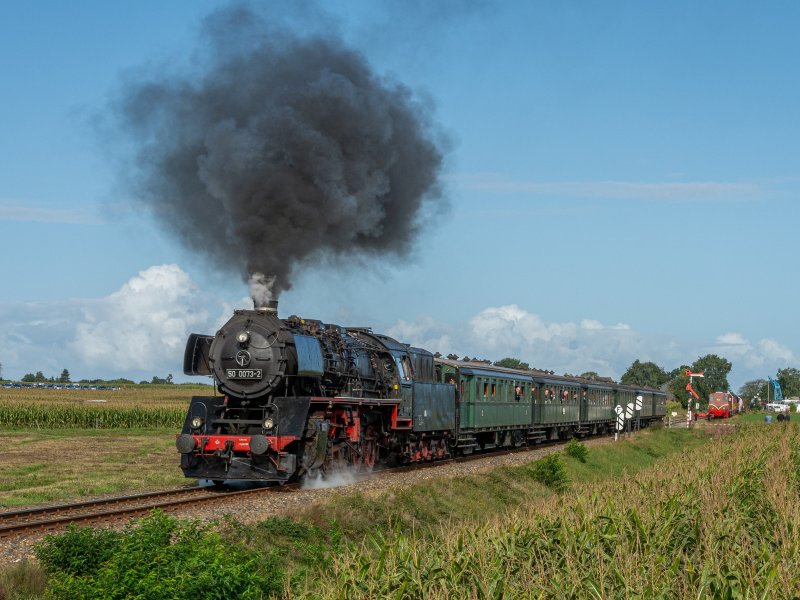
584 405
406 380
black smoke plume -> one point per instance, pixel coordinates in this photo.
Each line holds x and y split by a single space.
278 149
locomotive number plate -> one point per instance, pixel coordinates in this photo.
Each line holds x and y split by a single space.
243 373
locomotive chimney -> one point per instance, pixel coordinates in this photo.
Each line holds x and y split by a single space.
269 307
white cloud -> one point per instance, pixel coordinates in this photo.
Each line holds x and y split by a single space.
588 345
622 190
766 354
497 332
731 339
17 211
143 325
773 351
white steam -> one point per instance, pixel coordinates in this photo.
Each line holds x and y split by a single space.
261 288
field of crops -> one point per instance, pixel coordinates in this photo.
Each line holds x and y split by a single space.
723 524
133 407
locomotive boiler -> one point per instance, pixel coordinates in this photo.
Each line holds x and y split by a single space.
299 397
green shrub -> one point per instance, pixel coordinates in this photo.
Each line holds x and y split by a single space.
79 551
160 557
577 450
550 471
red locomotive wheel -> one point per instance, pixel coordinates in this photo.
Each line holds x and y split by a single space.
369 448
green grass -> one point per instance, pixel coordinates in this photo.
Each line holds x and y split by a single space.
83 463
25 580
758 417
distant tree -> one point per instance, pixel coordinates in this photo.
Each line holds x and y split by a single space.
39 377
466 358
512 363
646 374
452 357
716 371
158 380
677 384
168 379
715 368
590 375
28 378
752 389
64 376
790 382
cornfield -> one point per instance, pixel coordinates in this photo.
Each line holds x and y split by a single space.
135 407
723 523
132 396
66 416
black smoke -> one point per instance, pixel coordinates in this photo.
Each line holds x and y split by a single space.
276 149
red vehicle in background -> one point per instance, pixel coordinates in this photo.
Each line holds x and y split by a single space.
722 405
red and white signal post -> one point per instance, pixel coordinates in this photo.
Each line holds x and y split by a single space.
691 391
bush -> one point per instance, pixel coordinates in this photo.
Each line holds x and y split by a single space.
160 557
551 472
79 552
577 450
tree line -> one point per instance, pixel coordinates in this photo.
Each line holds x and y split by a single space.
65 377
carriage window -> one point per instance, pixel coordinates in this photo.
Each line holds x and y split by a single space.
494 390
485 391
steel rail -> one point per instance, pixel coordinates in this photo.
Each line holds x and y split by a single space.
53 518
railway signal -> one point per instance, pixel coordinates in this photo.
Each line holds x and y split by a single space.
691 391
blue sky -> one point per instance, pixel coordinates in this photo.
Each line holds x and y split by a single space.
622 180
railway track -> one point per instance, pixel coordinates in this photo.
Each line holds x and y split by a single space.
55 518
121 508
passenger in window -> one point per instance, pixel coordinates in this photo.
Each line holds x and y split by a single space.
451 379
406 369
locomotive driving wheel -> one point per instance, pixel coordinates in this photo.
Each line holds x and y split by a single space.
369 448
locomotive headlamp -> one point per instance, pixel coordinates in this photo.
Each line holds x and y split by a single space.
243 337
269 423
197 422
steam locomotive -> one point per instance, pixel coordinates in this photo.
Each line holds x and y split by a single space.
298 398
